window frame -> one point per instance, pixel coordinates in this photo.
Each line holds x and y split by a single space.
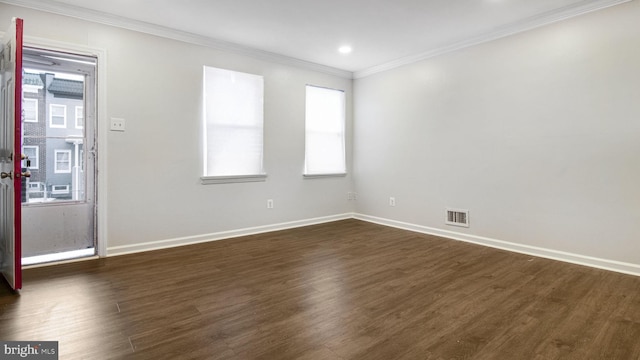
35 186
35 161
207 122
56 169
64 116
67 190
25 100
81 108
307 174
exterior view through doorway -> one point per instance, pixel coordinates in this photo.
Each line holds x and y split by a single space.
59 141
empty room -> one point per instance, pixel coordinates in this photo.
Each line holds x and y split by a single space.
411 179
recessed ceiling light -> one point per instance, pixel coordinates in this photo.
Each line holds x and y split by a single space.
345 49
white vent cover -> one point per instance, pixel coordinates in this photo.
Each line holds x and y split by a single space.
457 217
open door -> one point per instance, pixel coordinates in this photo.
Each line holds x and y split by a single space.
11 155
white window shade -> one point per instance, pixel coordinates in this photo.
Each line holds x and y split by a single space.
62 161
233 123
79 117
30 109
324 132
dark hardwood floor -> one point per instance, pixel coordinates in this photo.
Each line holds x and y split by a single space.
343 290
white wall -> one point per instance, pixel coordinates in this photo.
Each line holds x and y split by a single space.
153 167
537 134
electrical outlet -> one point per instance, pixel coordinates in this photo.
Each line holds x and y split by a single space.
117 124
392 201
270 204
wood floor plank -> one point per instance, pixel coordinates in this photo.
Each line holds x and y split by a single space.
342 290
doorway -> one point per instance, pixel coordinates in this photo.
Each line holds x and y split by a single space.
59 141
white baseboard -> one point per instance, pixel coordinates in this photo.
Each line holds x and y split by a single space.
611 265
190 240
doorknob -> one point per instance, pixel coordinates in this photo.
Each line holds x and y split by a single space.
5 175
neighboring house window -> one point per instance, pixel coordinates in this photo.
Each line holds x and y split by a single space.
79 117
35 186
324 132
59 189
233 126
30 109
57 116
63 161
32 152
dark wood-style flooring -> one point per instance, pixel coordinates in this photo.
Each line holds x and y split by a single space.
342 290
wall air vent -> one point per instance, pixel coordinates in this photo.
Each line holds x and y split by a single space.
457 217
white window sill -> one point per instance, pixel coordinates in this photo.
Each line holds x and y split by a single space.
208 180
320 176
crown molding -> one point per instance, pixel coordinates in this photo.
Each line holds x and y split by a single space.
580 8
169 33
530 23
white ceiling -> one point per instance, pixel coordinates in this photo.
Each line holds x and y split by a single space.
382 33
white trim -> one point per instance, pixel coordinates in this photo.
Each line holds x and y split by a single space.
64 259
61 46
190 240
208 180
550 17
102 125
606 264
64 116
547 18
321 176
166 32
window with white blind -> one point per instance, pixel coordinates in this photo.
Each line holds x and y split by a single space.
233 126
79 117
324 132
30 110
57 116
62 162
